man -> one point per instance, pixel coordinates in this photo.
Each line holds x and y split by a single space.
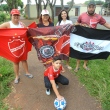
90 19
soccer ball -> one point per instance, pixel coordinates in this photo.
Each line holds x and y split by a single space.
60 104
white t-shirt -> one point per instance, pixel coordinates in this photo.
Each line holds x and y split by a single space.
20 25
64 22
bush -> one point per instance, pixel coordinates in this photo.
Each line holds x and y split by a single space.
2 17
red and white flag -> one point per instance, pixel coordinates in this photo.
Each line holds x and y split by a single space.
51 41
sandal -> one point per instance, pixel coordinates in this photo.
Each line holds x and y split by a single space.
76 70
86 68
16 81
69 67
29 75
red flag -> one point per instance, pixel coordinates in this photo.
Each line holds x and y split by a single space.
13 44
50 41
32 25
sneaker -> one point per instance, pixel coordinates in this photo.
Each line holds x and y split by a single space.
29 75
48 91
16 81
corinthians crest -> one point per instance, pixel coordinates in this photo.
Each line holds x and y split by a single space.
88 46
47 51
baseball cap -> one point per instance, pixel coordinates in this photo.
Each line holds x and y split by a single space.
15 11
44 12
91 3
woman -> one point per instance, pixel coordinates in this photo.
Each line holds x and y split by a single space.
45 20
15 23
63 18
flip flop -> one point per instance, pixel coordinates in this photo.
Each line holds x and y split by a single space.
29 75
69 67
16 81
76 70
86 68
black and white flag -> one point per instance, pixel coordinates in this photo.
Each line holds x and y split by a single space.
87 43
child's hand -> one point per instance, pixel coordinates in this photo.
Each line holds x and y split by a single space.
60 97
63 70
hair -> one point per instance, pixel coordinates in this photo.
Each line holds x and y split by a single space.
55 58
40 19
60 18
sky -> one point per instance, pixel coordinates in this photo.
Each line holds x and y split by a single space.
58 1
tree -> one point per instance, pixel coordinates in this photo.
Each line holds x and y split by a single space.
14 4
98 2
45 4
38 7
107 7
70 4
52 5
62 4
4 7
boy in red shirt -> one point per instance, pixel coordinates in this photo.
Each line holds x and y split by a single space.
52 76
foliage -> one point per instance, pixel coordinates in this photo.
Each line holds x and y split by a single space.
106 4
97 80
2 17
6 76
13 4
4 7
98 2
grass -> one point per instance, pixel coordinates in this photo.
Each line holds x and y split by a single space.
97 80
6 76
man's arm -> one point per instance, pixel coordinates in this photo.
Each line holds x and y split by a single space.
107 25
85 25
55 89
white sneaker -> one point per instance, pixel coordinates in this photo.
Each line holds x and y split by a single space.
48 91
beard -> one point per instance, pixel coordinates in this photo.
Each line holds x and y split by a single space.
91 13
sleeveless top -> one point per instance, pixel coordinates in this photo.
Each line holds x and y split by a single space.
20 25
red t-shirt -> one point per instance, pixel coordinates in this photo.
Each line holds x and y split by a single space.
52 73
91 21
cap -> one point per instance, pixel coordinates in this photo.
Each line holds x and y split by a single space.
15 11
91 3
44 12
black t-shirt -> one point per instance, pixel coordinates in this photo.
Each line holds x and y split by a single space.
42 25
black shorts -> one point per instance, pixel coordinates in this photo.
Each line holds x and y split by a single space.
60 79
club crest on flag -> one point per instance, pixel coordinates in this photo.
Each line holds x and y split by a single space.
88 46
47 51
17 47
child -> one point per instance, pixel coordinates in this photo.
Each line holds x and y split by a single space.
52 76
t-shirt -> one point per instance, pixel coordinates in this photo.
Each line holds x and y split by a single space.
64 22
42 25
52 73
91 21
